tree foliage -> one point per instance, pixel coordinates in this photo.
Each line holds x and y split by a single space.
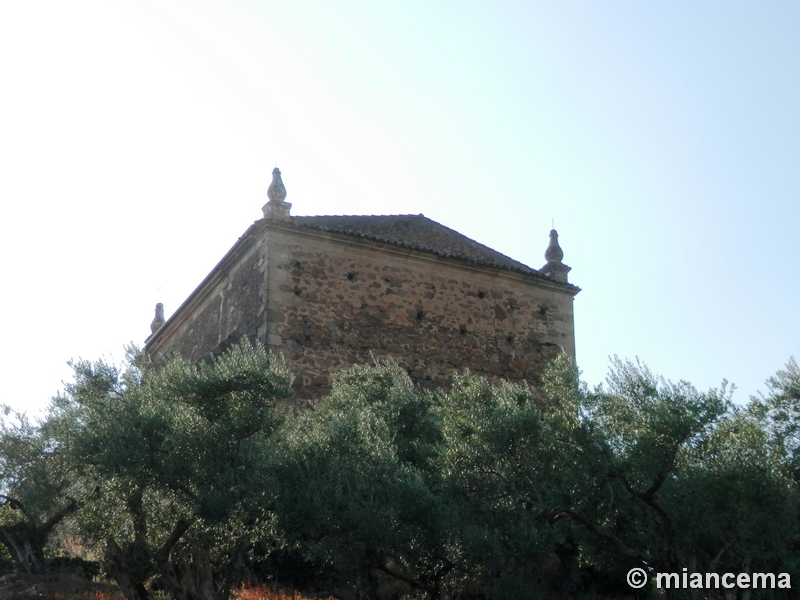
360 485
177 455
179 472
38 489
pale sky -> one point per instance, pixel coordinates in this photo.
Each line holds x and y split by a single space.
137 139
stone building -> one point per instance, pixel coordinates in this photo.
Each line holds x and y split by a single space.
331 291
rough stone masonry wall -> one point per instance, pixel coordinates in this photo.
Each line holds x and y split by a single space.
232 304
334 303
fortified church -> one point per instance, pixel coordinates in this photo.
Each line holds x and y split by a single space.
331 291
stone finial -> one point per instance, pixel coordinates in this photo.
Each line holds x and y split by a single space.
554 251
159 320
555 269
277 207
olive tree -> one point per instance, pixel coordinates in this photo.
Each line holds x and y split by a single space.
38 489
642 472
177 455
361 485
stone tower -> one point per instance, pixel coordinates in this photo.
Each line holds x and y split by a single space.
331 291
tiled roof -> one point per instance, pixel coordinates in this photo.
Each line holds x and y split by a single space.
418 233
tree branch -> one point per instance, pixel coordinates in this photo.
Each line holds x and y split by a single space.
16 505
559 514
177 532
70 508
417 585
715 562
666 522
